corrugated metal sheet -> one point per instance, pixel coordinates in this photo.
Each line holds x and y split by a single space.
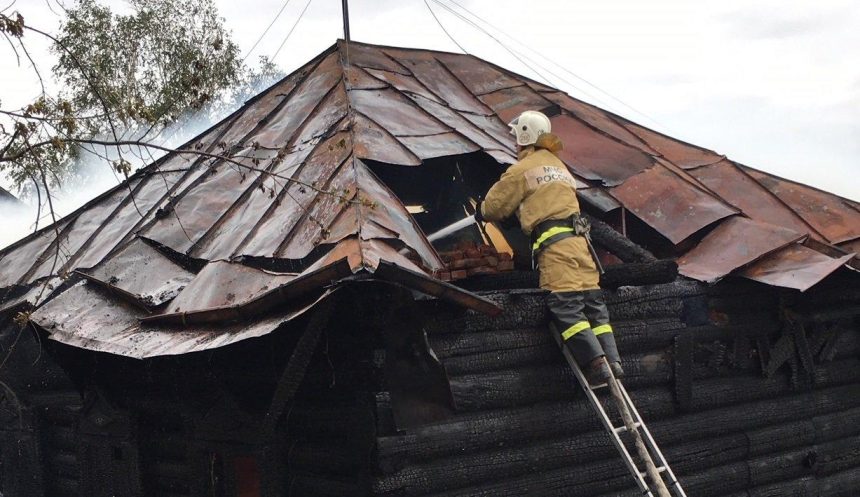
293 185
733 244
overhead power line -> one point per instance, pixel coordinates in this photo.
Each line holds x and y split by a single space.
283 7
443 27
563 68
302 14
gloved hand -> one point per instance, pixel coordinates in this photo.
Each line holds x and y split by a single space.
479 215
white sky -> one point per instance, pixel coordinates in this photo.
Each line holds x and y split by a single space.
774 84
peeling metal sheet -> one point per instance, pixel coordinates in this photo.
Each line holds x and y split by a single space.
598 198
595 156
670 205
85 317
313 201
441 145
222 284
742 191
733 244
851 246
375 143
39 292
141 272
829 214
795 267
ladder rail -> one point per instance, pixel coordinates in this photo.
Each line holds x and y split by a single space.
604 419
652 444
639 424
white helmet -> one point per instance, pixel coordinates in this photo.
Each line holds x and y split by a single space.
528 126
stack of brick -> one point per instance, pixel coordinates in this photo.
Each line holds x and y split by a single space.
469 259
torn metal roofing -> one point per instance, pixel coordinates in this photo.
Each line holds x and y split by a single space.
285 180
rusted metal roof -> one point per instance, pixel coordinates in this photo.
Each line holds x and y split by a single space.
291 186
733 244
795 267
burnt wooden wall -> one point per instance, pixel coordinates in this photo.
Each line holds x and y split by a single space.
748 390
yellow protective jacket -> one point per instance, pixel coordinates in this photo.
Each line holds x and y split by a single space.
537 188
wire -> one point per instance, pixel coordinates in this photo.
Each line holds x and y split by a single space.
283 7
292 29
472 23
563 68
443 28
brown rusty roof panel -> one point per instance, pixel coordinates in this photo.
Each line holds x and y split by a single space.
795 267
831 215
198 209
368 57
390 213
735 243
309 97
598 119
374 142
362 79
494 127
295 203
669 204
464 126
596 156
153 188
396 113
440 145
19 257
682 154
222 284
435 76
736 187
478 76
598 198
85 317
508 103
142 273
851 246
405 83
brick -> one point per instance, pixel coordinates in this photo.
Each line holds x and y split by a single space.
491 261
458 274
505 266
504 256
482 270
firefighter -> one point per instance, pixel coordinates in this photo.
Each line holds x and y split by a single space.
542 192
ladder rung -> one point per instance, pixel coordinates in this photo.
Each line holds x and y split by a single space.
661 469
622 429
597 387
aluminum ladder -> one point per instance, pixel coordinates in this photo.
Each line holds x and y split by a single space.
659 473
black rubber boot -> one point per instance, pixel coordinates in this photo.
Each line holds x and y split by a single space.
598 372
617 370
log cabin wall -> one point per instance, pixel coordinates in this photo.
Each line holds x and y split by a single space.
748 390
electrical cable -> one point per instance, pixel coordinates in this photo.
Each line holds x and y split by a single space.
563 68
283 7
302 14
443 28
472 23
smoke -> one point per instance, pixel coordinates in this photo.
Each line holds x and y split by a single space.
94 173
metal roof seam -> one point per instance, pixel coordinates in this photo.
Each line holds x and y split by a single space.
680 172
388 133
307 209
279 198
779 199
199 244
